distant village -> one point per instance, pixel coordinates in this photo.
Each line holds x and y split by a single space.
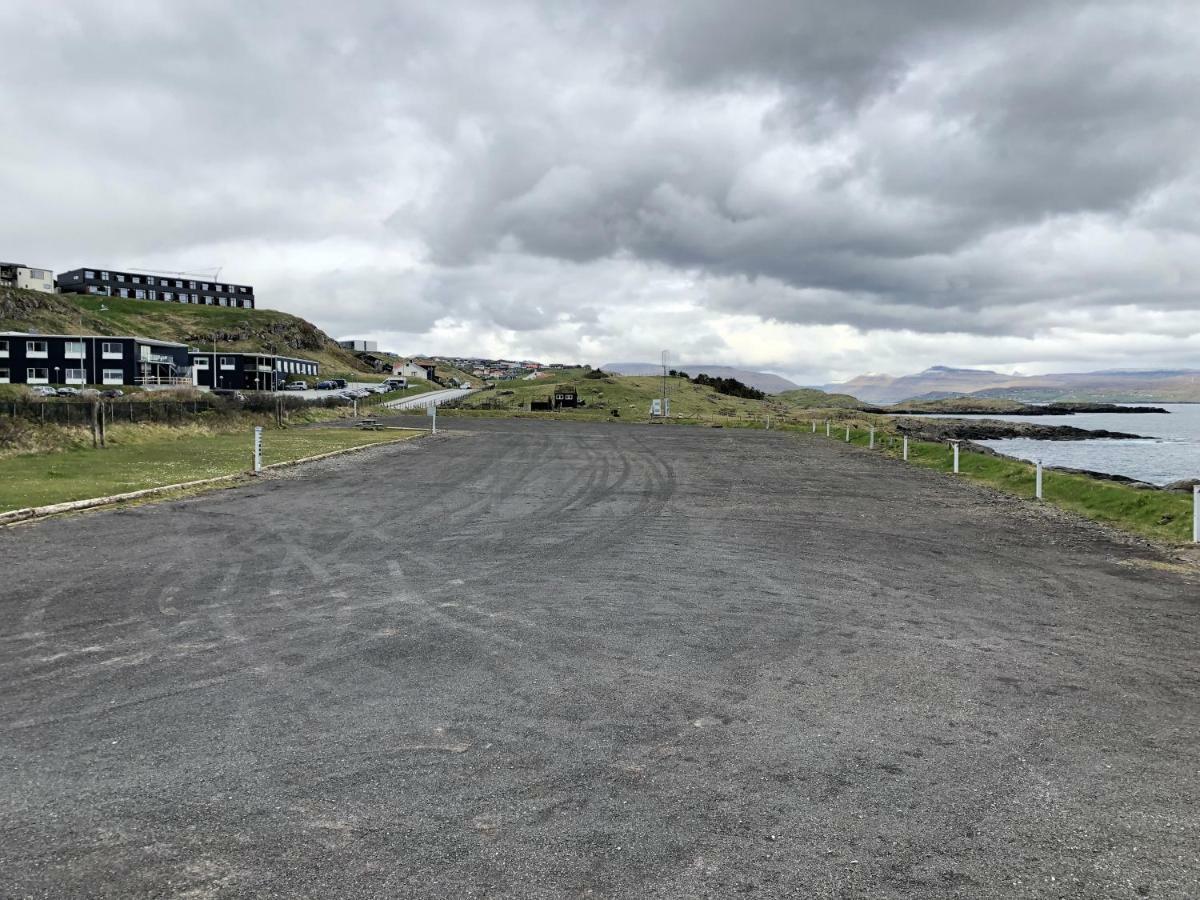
480 367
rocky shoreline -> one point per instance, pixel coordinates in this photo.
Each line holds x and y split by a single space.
994 429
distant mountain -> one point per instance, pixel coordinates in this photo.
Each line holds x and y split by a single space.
1112 386
763 381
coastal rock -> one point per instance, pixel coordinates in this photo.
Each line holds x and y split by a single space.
993 429
1184 486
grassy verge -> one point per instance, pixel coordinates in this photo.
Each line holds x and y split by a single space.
153 461
1160 515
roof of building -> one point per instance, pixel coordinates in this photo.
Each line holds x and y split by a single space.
94 337
197 351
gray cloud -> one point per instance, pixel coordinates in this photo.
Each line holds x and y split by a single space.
604 179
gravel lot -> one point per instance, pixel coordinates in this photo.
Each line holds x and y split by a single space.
557 660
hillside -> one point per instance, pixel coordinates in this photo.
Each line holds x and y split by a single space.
812 398
630 395
1113 386
767 382
232 329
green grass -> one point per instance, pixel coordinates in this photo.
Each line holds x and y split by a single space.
1160 515
236 329
79 474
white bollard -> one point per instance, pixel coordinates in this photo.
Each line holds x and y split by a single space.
1037 490
956 457
258 448
814 426
872 447
906 448
847 435
826 428
1196 513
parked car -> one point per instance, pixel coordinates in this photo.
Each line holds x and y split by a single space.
230 394
327 385
112 393
66 392
396 383
339 383
296 386
42 391
89 392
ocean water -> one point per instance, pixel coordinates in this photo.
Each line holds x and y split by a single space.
1171 451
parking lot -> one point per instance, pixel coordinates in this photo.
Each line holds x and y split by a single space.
545 659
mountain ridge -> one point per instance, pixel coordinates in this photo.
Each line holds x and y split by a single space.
1107 385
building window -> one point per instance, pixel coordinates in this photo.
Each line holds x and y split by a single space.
112 351
227 362
150 279
208 300
5 377
36 349
120 278
217 287
104 276
201 362
243 290
113 376
75 350
178 284
192 285
124 292
136 279
195 298
139 294
37 376
3 348
88 273
153 295
167 295
76 376
204 285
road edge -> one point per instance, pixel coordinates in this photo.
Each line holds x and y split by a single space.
30 513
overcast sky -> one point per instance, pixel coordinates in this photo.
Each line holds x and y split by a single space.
815 188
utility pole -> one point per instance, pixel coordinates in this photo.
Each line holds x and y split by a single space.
665 356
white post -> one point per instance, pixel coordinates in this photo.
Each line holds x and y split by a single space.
826 428
956 457
814 426
906 448
872 447
356 407
1196 513
258 448
847 434
1038 482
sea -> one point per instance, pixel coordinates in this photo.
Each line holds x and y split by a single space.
1169 452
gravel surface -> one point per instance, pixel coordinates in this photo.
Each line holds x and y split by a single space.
557 660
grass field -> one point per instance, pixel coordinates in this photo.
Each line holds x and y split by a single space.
79 474
1160 515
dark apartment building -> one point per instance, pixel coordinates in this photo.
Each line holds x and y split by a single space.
247 371
168 288
27 358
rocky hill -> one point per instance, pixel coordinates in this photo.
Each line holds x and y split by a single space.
200 326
